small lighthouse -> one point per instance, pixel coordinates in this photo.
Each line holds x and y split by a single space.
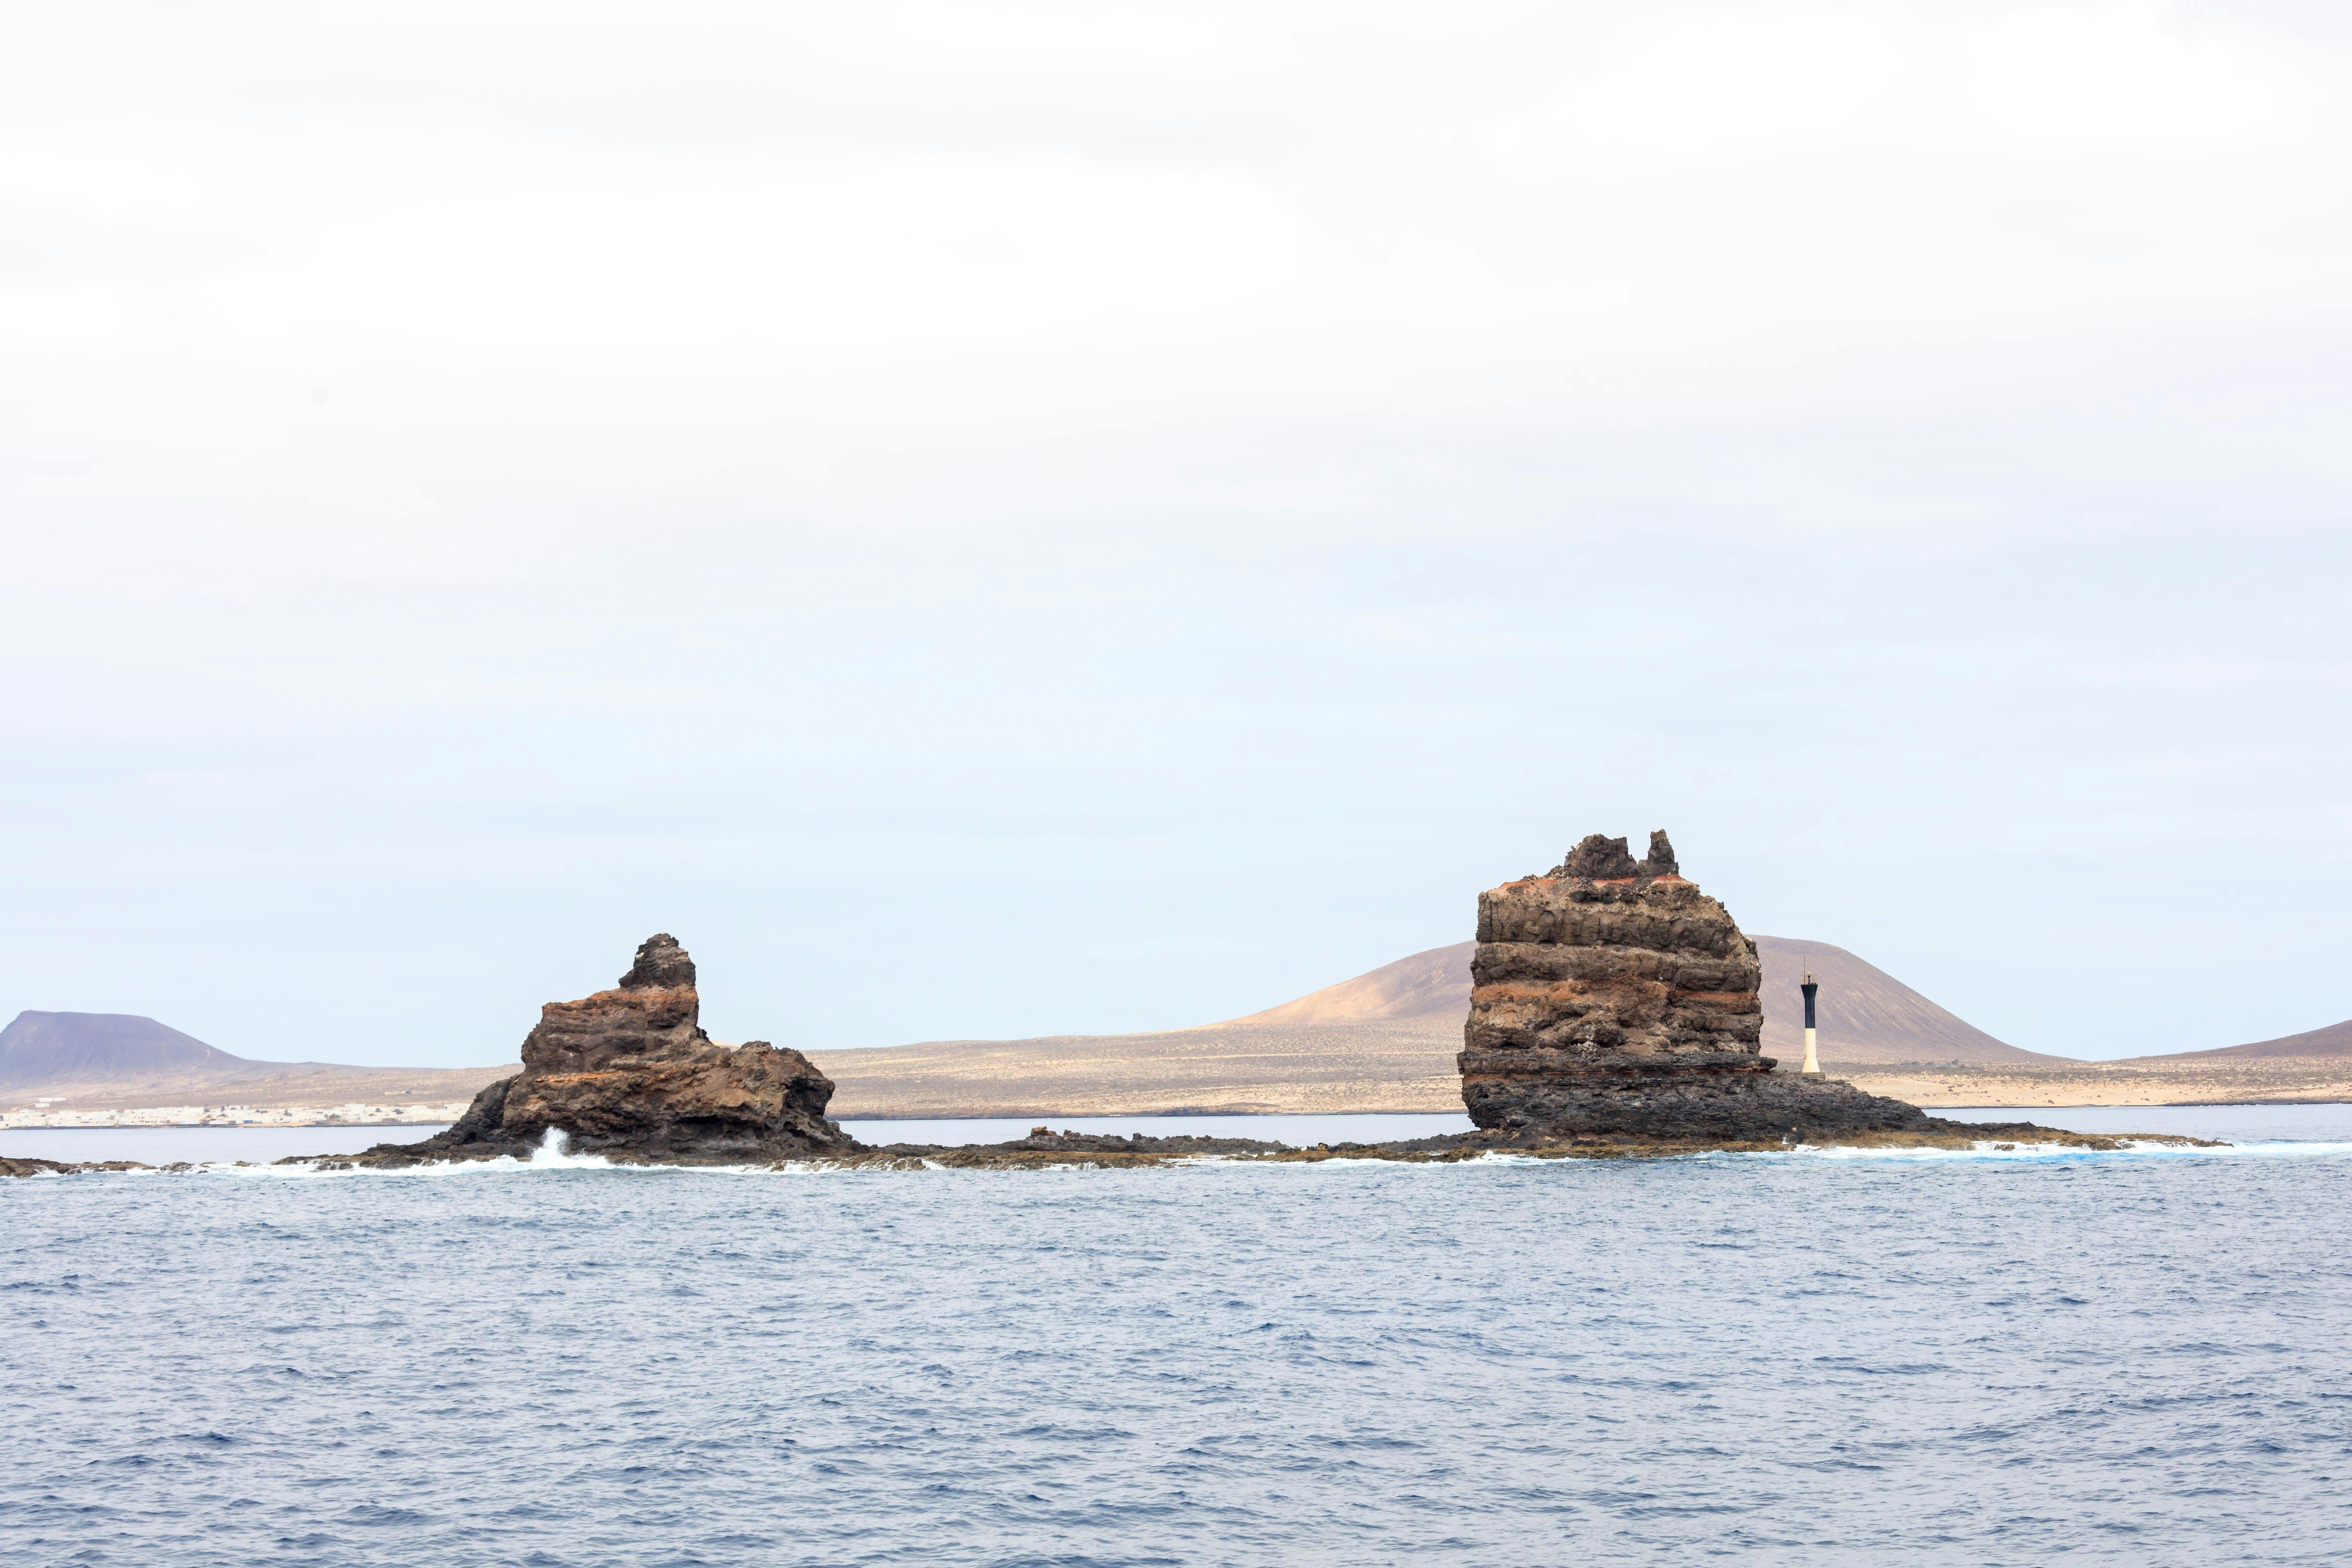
1811 987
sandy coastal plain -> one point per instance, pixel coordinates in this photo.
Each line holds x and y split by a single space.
1409 1066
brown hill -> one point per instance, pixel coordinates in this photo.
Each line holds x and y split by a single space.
1867 1016
2311 1067
1434 984
2333 1040
1384 1041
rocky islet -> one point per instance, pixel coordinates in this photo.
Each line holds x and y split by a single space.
629 1073
1614 1013
1611 997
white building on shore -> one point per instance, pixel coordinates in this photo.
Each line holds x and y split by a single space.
58 1114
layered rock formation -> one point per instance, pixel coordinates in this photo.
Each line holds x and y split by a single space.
628 1074
1612 997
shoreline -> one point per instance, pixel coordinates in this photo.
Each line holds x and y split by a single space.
986 1158
998 1142
992 1115
1046 1149
198 1126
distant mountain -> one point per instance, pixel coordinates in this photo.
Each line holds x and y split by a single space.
1384 1041
2336 1040
120 1059
42 1048
1427 985
1867 1016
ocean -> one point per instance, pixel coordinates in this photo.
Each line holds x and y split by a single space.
1803 1357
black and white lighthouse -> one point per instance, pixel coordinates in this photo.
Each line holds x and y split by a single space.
1811 987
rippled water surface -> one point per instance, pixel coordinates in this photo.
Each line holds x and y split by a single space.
1810 1358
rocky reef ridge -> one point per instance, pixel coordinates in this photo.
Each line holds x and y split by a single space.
1611 997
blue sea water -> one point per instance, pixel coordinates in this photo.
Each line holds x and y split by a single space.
1807 1357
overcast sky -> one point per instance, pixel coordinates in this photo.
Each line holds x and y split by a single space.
990 520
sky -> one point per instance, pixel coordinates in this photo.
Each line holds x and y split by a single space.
990 520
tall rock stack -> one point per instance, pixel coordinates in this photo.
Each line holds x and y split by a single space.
1611 996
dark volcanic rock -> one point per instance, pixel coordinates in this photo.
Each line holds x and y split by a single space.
1613 998
629 1074
661 965
1043 1149
1660 860
1598 857
32 1167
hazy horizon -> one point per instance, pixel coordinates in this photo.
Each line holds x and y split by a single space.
998 521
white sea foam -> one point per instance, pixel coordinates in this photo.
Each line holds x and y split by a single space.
2002 1149
553 1153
